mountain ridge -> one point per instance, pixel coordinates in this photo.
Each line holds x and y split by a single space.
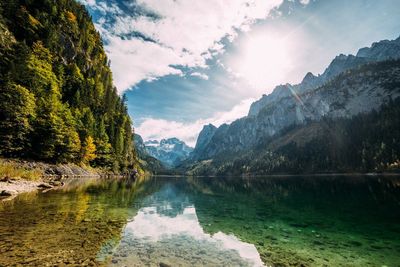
170 151
379 51
361 86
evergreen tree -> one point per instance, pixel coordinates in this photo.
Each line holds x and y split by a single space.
17 107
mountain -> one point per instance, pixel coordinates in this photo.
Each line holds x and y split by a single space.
171 152
380 51
57 99
383 50
349 87
204 139
147 162
139 145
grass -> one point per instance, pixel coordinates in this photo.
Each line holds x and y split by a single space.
15 171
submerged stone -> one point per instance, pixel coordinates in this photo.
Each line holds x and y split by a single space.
8 193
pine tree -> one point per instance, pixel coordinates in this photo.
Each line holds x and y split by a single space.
103 147
17 107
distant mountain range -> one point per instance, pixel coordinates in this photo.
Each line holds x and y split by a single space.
351 86
146 161
170 152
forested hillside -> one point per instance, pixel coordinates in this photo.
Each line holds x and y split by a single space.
364 143
57 99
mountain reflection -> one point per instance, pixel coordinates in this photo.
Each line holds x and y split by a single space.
167 231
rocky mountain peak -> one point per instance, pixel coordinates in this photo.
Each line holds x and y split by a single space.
205 136
378 51
309 77
382 50
170 151
170 141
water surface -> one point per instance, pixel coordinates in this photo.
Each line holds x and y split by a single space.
186 221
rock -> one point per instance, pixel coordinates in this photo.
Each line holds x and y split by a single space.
85 262
8 193
164 265
4 179
355 243
45 185
56 183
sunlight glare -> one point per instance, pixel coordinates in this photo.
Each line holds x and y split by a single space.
264 60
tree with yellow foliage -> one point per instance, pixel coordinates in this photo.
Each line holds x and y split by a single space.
70 16
88 150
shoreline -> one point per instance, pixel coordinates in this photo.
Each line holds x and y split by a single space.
22 176
11 187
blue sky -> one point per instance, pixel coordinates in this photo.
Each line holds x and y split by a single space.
186 63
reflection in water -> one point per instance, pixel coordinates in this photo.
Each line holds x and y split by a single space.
67 226
177 239
281 221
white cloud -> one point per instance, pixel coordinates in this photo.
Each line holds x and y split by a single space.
199 75
186 33
133 61
158 129
90 3
305 2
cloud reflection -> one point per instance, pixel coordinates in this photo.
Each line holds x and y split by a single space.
149 227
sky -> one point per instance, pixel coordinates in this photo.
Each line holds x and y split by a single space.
186 63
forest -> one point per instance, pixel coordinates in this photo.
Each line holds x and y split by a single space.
57 99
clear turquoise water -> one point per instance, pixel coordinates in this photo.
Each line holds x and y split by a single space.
186 221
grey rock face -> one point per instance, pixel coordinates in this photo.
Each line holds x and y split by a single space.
382 50
349 86
139 145
204 138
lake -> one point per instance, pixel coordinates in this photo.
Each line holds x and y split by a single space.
187 221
